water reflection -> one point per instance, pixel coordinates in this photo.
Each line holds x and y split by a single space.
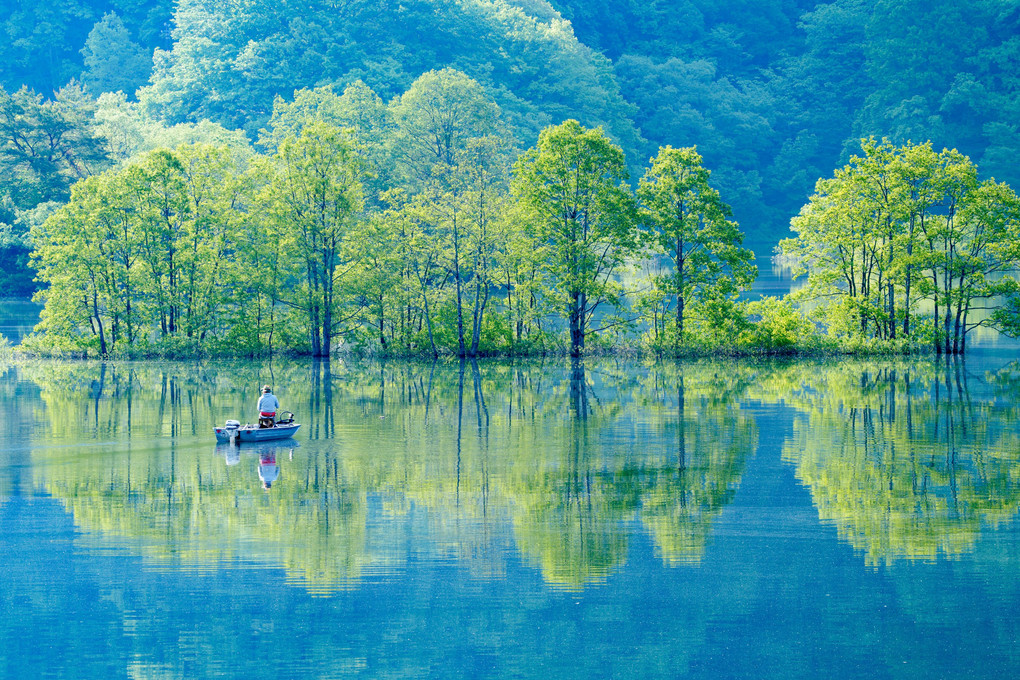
268 456
557 465
904 459
554 465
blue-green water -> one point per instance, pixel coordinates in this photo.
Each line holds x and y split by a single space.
614 519
17 319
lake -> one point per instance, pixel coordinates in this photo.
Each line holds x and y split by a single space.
18 318
619 519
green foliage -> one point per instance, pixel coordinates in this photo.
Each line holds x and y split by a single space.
437 117
136 259
773 93
313 201
114 62
43 41
129 133
403 232
250 53
903 227
571 185
776 326
46 146
1008 317
686 222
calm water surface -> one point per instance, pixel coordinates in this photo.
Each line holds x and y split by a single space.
18 318
615 519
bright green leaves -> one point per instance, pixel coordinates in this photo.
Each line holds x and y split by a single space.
314 200
136 260
686 221
203 249
437 116
571 187
904 232
449 157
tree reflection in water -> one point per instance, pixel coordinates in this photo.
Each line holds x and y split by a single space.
904 460
556 464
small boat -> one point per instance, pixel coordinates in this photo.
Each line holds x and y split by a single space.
233 431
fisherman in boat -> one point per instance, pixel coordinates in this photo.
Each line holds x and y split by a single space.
268 406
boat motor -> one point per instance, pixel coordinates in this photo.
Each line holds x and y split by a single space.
231 427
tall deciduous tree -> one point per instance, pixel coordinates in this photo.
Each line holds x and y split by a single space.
687 222
114 62
572 186
316 198
46 146
443 120
145 256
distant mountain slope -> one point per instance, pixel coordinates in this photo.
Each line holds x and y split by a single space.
229 60
41 42
775 93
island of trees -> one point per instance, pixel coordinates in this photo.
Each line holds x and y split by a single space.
267 186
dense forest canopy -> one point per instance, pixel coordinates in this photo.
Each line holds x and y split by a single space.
773 93
767 95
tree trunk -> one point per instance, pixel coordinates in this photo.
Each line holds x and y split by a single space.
327 322
481 300
461 345
576 325
428 321
679 319
907 280
99 322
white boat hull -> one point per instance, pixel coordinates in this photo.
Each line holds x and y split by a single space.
254 433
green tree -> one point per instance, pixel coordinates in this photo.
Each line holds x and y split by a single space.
46 146
228 62
445 121
977 259
315 198
687 222
375 248
72 260
572 187
143 251
114 62
359 110
214 200
487 203
522 277
900 226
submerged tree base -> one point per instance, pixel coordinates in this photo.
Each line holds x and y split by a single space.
816 349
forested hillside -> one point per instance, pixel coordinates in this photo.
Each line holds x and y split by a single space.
777 92
766 96
773 92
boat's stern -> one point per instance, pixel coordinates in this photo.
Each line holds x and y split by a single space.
229 431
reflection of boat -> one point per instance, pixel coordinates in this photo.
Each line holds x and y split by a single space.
231 453
234 431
